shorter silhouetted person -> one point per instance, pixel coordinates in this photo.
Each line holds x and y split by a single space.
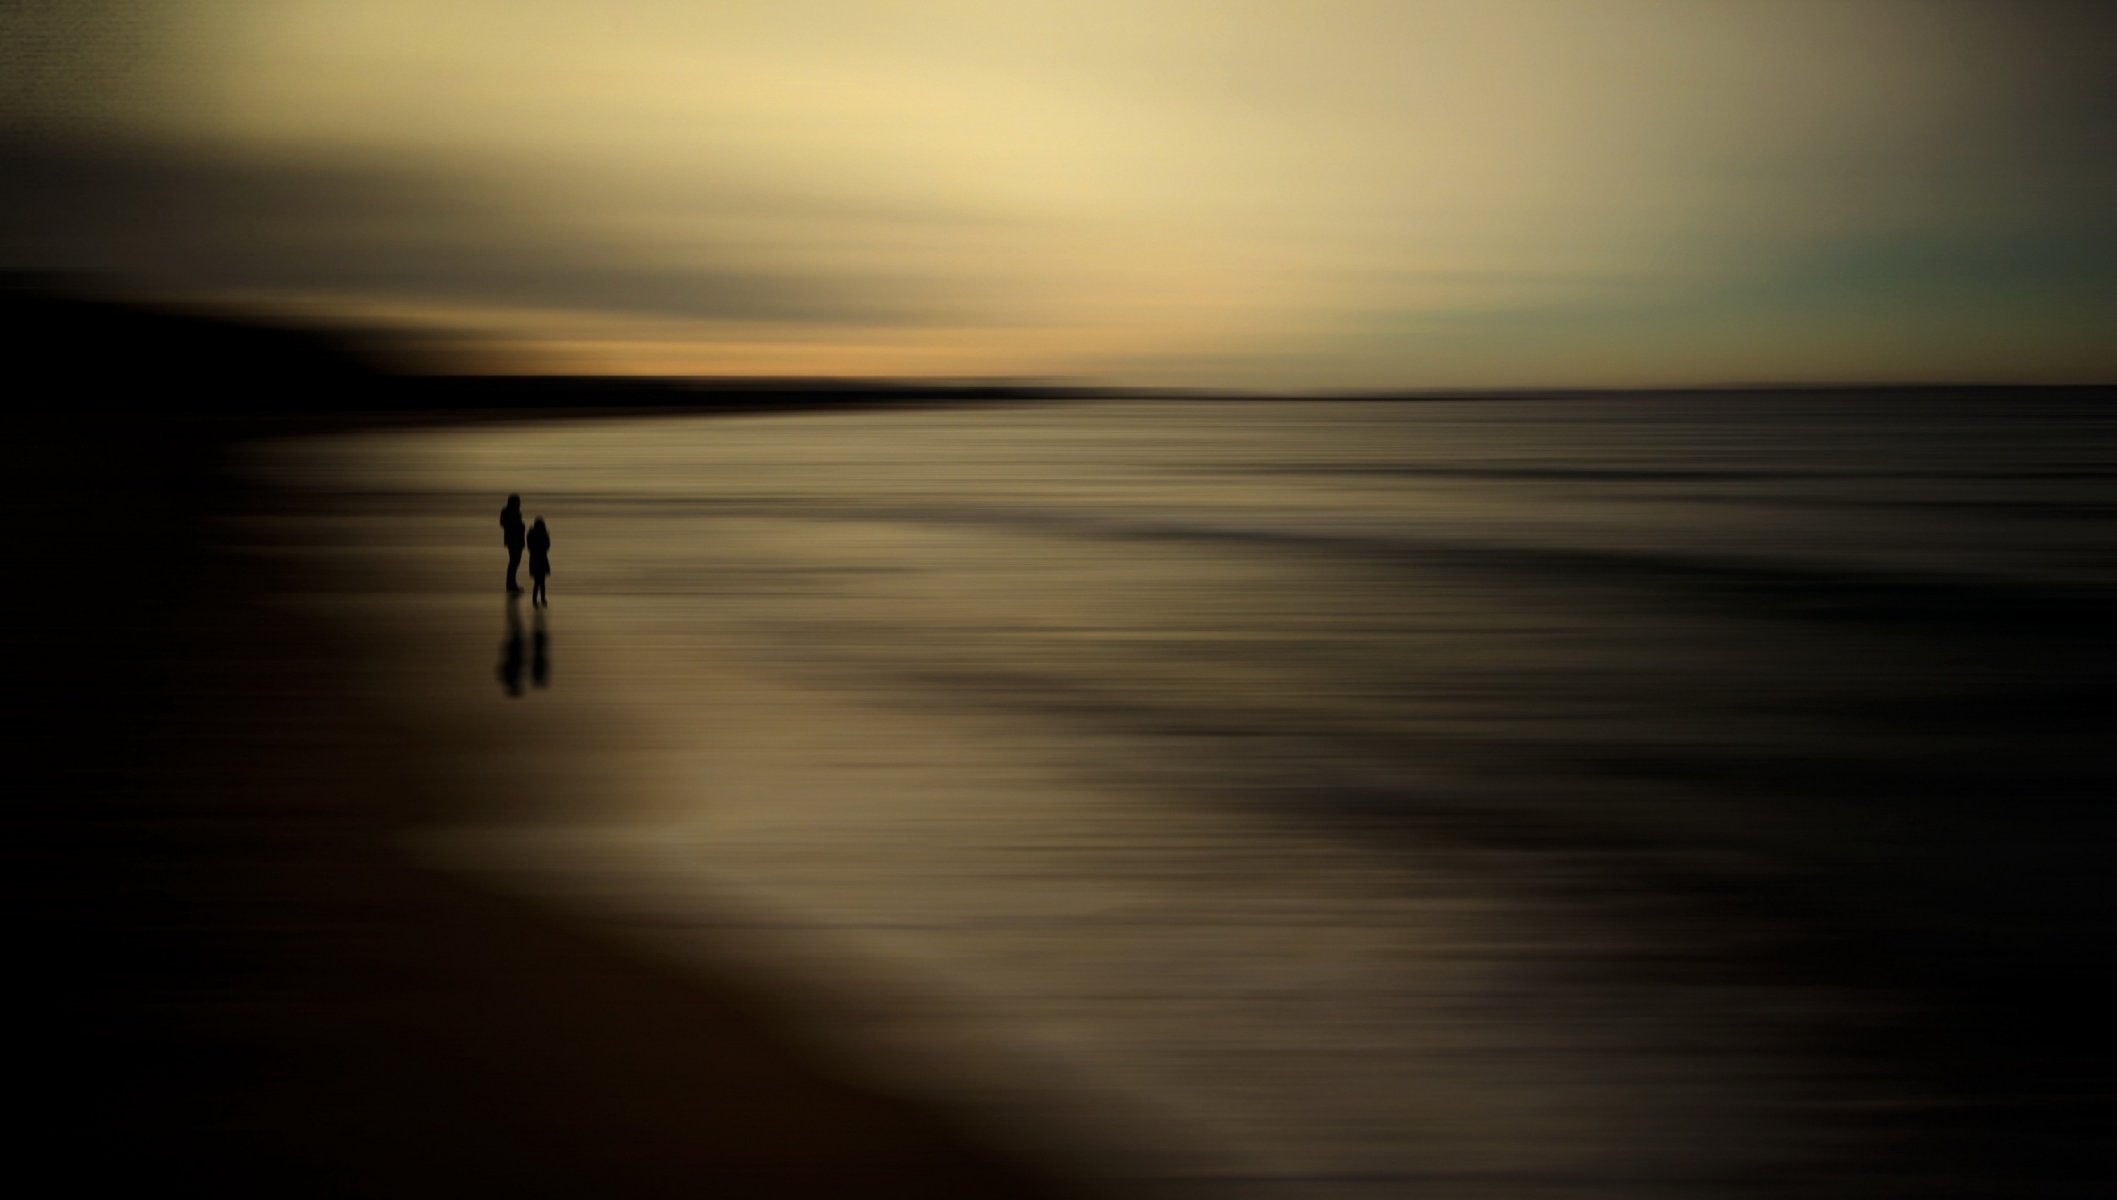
539 563
511 532
511 650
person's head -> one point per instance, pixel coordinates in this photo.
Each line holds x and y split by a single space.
513 501
537 524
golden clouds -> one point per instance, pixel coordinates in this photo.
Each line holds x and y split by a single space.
1149 181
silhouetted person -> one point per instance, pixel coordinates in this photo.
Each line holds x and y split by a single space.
511 650
511 531
540 653
539 562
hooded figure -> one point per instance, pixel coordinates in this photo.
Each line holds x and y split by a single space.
539 562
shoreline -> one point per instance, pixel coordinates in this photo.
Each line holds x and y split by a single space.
253 991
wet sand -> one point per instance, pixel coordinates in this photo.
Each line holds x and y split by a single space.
242 984
1027 733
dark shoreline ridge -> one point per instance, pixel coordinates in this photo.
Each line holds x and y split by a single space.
129 357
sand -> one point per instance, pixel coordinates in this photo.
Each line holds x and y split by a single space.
245 986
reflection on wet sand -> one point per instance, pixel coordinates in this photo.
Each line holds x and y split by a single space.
511 648
511 656
540 652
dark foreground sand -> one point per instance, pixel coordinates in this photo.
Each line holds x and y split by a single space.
235 986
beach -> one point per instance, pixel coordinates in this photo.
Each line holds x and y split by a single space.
1386 601
236 979
1254 800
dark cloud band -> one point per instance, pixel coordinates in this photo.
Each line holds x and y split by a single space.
179 219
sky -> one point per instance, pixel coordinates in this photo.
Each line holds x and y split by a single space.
1250 194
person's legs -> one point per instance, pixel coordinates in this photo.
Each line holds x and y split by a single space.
514 562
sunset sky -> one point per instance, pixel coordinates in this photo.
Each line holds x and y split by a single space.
1242 193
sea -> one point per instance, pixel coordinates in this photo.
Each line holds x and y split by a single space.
1662 795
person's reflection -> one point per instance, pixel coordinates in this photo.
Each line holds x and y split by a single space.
540 652
511 649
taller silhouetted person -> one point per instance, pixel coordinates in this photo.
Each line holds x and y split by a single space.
511 532
539 562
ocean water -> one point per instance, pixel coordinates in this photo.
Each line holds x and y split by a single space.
1684 796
